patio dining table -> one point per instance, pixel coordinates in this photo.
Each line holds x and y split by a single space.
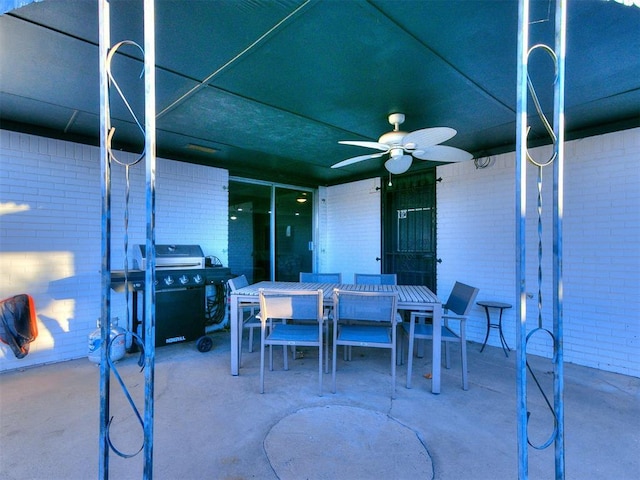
410 297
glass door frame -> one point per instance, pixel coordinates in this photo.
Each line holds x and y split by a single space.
272 218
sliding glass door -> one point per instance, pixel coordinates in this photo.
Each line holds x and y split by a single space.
294 234
270 231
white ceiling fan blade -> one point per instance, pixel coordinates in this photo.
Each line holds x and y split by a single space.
361 158
376 145
427 137
442 153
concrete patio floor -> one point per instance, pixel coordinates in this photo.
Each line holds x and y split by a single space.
211 425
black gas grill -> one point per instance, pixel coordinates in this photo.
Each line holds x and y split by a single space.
180 292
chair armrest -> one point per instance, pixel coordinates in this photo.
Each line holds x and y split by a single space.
454 316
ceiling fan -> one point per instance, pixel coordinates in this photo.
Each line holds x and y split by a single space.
402 147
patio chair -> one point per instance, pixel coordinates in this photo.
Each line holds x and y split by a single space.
249 320
365 319
375 279
290 306
309 277
457 308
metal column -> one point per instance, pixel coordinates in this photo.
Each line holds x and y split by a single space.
105 372
150 276
106 133
522 157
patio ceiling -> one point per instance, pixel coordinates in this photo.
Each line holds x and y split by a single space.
266 89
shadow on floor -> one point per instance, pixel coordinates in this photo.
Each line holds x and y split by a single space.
209 424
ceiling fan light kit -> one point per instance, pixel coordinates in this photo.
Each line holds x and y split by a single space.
402 147
398 165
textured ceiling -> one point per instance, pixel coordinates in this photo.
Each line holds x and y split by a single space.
272 86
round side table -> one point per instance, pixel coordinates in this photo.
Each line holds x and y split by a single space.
501 307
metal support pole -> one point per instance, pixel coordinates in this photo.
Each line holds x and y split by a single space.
558 213
521 216
558 55
150 276
150 162
105 373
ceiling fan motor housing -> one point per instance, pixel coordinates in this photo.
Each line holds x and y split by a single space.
392 138
396 152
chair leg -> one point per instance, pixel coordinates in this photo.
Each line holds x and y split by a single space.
420 350
463 350
285 354
400 346
334 354
410 361
447 357
271 358
262 352
326 350
320 365
327 327
240 333
250 339
393 370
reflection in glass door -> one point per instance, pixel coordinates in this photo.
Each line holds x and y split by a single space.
294 235
270 231
249 230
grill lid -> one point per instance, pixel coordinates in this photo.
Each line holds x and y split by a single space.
170 256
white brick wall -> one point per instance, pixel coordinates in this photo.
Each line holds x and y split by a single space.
50 231
352 240
476 240
50 238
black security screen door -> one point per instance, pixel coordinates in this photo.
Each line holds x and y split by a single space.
409 233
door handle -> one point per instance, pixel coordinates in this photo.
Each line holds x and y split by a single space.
378 259
439 260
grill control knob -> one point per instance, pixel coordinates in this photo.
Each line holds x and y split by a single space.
184 279
197 278
168 280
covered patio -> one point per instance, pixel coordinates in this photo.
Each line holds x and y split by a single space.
225 118
209 424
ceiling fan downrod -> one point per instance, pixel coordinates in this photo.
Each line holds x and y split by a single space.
396 119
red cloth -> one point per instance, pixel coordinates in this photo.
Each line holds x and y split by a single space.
18 327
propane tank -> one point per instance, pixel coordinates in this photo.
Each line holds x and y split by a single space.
116 337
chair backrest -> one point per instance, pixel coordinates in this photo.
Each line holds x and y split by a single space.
238 282
365 306
461 299
320 277
375 279
291 304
